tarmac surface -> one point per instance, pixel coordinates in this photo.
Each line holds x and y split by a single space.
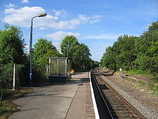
71 100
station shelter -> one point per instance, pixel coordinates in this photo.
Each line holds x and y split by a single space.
59 69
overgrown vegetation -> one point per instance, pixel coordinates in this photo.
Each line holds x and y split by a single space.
148 84
6 105
12 50
136 53
6 108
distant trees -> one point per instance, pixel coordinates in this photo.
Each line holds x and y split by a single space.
12 51
109 59
78 53
128 52
121 54
81 57
134 53
68 45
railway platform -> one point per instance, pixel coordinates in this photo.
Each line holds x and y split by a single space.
71 100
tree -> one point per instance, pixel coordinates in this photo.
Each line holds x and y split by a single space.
67 46
147 50
81 56
11 45
153 26
109 59
134 53
42 50
121 54
127 54
76 52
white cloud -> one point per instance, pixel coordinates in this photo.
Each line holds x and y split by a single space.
10 5
61 34
62 13
102 36
24 1
21 17
95 18
71 24
92 19
67 24
83 18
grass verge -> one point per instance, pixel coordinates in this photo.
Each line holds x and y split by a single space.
6 97
150 85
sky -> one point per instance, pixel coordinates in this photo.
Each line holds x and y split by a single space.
95 23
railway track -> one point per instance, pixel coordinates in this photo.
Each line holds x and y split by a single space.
110 104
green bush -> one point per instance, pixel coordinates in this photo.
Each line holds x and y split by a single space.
6 75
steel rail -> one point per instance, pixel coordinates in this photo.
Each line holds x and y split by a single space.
94 78
124 100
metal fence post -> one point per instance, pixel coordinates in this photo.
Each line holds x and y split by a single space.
14 82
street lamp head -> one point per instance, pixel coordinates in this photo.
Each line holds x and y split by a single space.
42 15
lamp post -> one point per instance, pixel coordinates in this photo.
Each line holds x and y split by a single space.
30 47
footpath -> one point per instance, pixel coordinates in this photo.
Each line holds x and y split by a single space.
71 100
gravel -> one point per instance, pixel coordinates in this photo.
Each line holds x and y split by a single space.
144 102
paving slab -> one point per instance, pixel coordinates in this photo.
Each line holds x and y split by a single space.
55 101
